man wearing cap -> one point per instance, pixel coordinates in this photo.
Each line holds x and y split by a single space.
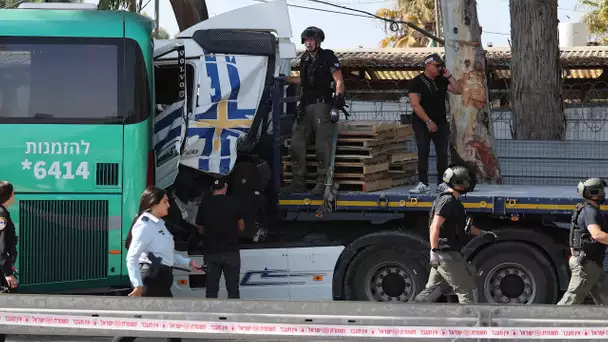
427 93
220 222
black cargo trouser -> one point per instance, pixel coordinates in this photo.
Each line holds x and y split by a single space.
441 140
230 264
157 284
316 121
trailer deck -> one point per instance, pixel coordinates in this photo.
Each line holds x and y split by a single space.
487 198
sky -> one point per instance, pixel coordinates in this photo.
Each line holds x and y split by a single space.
351 32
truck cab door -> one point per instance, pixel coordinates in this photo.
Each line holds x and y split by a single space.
173 86
240 55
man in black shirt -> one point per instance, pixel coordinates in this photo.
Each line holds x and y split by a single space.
220 222
427 93
448 226
588 242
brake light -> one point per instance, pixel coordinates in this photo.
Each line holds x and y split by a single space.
150 172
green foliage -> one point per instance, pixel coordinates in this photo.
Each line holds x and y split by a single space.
596 18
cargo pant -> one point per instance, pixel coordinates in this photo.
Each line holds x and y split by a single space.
454 271
586 279
316 120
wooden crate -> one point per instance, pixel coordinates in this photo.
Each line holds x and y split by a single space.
365 151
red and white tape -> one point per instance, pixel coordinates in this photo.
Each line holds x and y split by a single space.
314 330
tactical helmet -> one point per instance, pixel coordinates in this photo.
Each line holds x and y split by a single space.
592 187
313 32
457 176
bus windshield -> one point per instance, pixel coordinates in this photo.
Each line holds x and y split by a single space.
55 79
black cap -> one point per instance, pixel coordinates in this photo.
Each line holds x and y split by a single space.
218 184
433 58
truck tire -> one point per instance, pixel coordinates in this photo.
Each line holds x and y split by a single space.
386 275
515 273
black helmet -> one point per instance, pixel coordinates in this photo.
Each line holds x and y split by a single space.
592 187
313 32
457 175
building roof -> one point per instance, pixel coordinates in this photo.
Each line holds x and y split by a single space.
403 58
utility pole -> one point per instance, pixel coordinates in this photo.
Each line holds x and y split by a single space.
157 17
471 122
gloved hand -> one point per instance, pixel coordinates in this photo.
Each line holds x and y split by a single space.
488 235
339 101
434 260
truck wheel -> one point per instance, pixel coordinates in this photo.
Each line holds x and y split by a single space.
382 275
515 273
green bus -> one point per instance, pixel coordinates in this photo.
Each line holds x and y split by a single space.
76 88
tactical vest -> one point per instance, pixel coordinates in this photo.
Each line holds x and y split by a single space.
580 238
316 77
451 232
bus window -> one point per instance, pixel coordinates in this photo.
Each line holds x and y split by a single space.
72 80
167 84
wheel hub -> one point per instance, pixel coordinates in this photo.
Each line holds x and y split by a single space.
388 283
510 283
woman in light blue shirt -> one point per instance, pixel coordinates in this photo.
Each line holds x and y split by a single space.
151 253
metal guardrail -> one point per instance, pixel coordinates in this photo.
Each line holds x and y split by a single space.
186 318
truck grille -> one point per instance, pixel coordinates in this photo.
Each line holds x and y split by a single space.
62 241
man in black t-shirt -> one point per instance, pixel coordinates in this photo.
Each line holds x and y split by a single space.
588 242
427 93
220 222
448 226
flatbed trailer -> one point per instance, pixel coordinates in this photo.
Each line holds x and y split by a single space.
493 199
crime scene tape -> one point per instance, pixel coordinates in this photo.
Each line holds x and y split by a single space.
295 330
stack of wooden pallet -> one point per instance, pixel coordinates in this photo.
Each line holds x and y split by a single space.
370 156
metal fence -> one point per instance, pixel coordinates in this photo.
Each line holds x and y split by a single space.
583 153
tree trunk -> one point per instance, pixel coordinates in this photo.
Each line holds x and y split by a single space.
471 137
189 12
536 74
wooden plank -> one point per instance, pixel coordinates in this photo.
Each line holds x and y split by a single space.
403 156
361 169
339 177
365 127
357 185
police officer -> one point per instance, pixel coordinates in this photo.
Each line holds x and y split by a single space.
8 241
588 242
448 226
151 255
220 221
318 68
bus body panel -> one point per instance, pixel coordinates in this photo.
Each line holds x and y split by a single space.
71 225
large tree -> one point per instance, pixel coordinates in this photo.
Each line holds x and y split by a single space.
471 138
536 73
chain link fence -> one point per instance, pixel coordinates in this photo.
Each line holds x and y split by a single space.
376 84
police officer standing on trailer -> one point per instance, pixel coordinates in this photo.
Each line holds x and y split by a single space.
151 256
8 240
588 242
448 226
220 221
318 68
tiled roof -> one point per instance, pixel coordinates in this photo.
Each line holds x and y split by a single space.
398 58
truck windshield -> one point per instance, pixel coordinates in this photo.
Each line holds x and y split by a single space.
59 79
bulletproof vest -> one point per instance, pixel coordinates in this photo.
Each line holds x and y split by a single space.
316 76
451 232
580 238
